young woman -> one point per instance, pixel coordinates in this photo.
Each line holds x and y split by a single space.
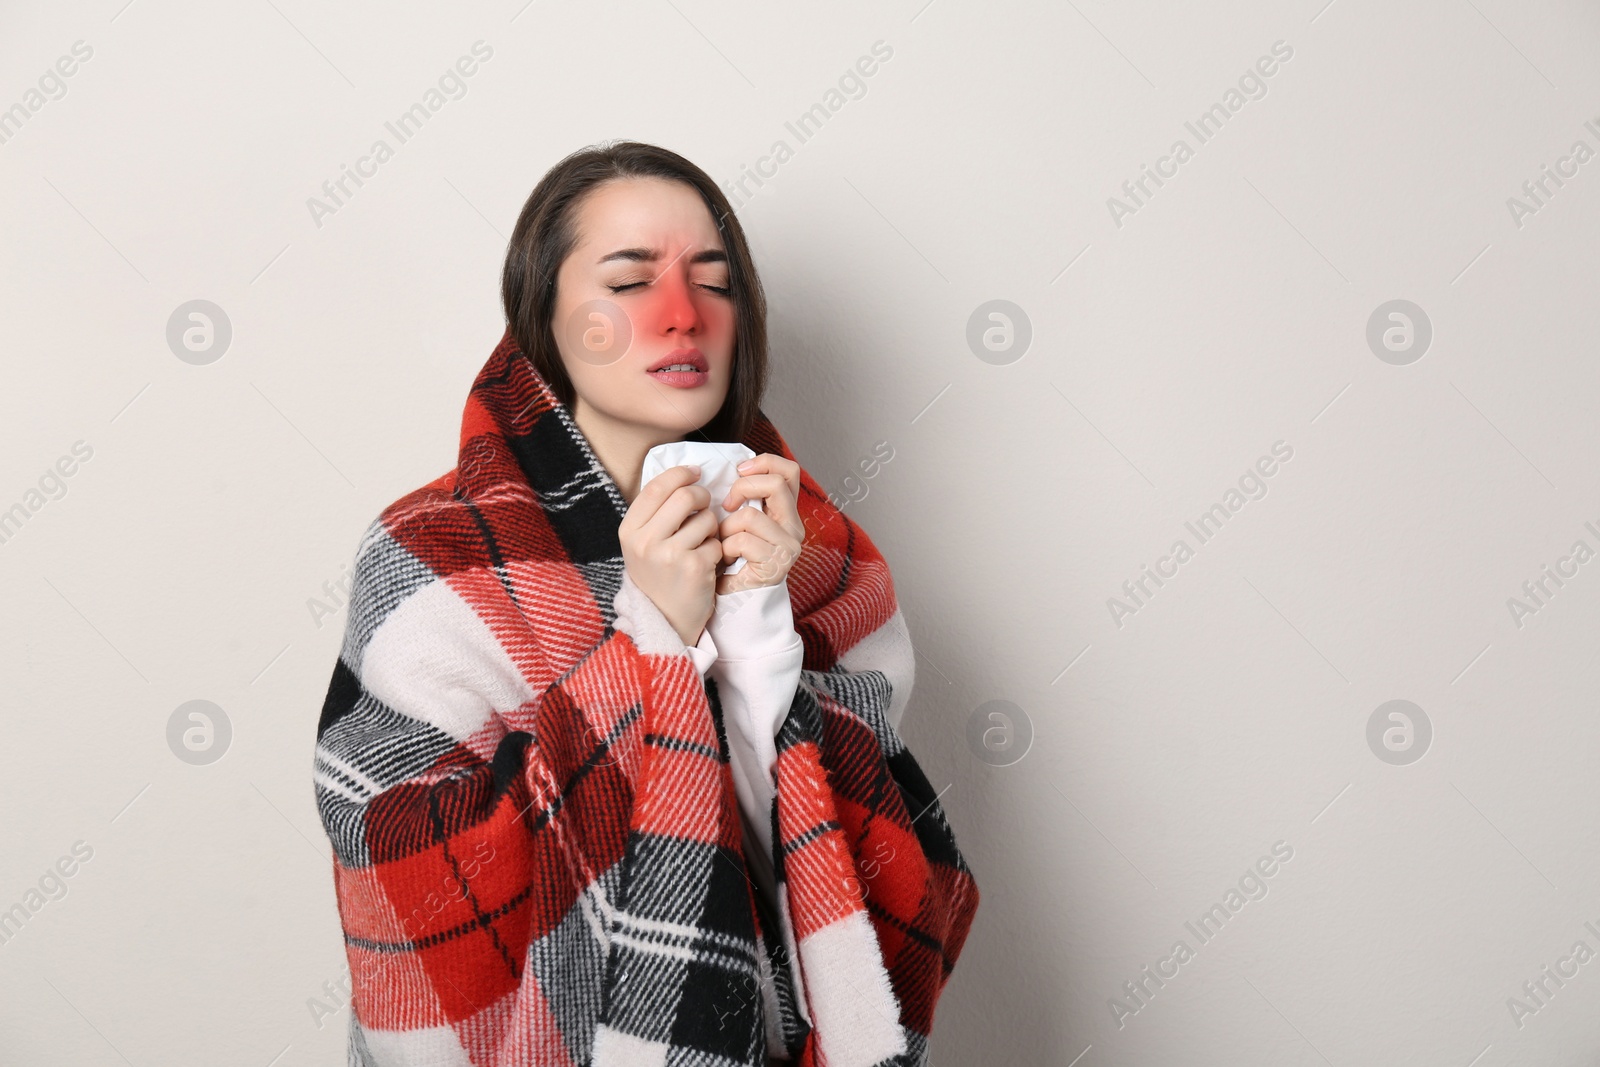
592 801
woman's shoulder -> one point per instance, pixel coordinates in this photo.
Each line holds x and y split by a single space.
423 536
428 531
408 515
438 493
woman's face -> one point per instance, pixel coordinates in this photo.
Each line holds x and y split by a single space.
646 287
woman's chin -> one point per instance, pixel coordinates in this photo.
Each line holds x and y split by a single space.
684 414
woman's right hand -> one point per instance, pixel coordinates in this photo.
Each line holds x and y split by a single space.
671 560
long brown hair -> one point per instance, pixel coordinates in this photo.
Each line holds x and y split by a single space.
546 232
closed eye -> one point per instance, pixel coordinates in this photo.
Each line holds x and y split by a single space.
720 290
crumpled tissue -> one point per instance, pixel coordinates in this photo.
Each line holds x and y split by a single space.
718 462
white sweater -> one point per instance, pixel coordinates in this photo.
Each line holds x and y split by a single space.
752 650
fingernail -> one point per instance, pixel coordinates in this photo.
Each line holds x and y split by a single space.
695 467
747 464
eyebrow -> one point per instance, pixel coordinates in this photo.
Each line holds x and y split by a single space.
651 255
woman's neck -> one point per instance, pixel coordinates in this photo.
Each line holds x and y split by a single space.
619 446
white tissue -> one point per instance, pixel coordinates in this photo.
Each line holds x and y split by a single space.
718 462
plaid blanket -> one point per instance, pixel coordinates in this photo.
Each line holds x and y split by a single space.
538 855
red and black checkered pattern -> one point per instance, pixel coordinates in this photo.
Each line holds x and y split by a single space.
538 849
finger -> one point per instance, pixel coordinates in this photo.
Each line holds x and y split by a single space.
777 493
745 578
753 574
670 516
789 534
756 486
696 530
654 493
760 523
771 463
767 558
709 552
752 548
791 474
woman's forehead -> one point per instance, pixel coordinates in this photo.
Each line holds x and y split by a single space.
663 216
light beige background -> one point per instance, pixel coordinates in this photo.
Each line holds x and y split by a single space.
1169 353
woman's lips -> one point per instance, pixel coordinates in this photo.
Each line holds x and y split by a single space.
681 379
694 369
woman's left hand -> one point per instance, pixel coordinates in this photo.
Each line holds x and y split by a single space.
769 539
